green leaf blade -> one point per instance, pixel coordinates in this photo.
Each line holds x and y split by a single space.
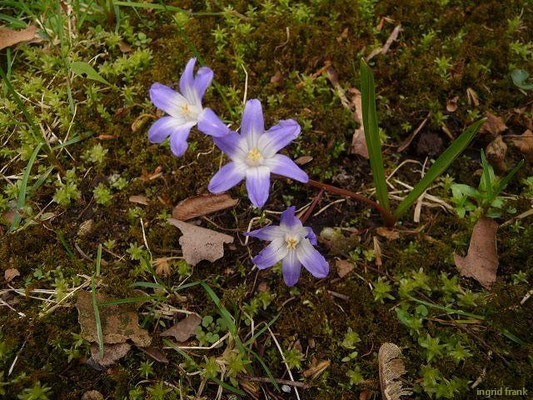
371 130
83 69
441 165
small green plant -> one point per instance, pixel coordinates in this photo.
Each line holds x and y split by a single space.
294 358
371 130
102 194
36 392
485 199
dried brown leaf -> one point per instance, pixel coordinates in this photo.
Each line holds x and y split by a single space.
139 199
202 205
344 267
391 368
481 261
119 322
92 395
494 125
472 97
199 244
391 39
496 152
387 233
377 251
303 160
125 47
358 139
9 37
316 369
524 143
10 274
155 353
184 329
112 353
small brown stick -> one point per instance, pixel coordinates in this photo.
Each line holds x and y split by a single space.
301 385
312 206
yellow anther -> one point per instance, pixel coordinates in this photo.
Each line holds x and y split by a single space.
291 242
254 157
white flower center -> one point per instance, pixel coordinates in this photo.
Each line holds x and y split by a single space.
254 158
188 111
291 242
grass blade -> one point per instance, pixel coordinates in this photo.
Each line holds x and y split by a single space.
21 201
503 183
441 165
98 322
371 129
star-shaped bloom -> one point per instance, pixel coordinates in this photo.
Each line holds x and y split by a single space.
292 244
184 109
254 153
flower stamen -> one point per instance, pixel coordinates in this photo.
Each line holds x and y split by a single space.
254 157
292 242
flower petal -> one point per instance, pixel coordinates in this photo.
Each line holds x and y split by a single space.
167 100
231 144
270 232
271 254
279 136
252 122
227 177
289 219
210 124
312 260
203 79
178 140
163 128
258 185
291 268
311 236
187 82
283 165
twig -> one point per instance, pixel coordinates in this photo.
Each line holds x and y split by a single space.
312 206
284 360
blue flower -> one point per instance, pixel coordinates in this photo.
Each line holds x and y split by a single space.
292 244
184 109
253 153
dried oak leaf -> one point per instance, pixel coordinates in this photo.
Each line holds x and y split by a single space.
202 205
524 143
391 368
199 244
112 353
119 322
184 329
343 268
494 125
10 274
496 152
481 261
9 37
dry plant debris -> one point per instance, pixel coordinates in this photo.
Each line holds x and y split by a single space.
524 143
344 267
9 37
391 368
199 243
481 261
184 329
202 205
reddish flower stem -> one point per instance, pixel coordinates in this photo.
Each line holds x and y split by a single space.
312 206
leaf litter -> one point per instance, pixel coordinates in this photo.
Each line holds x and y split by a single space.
391 369
202 205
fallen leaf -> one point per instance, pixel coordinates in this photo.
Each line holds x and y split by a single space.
184 329
451 105
387 233
199 244
316 369
344 267
92 395
124 47
303 160
10 274
9 37
276 78
86 227
377 251
139 199
481 261
391 368
155 353
202 205
524 143
119 322
494 125
162 266
8 216
496 152
112 353
358 139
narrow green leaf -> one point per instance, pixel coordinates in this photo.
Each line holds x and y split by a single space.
503 183
267 370
441 165
147 285
83 69
164 7
513 337
371 129
99 331
127 300
24 187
